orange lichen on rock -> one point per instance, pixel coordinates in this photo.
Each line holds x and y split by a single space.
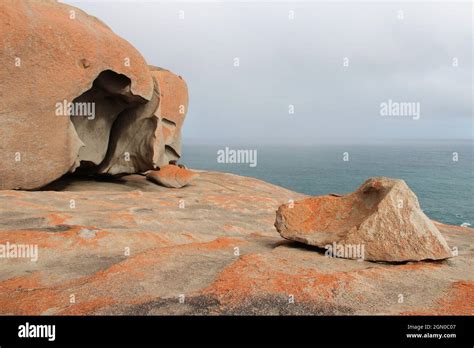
26 295
58 219
252 275
457 300
72 237
89 306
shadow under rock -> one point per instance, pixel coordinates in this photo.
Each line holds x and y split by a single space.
64 182
301 246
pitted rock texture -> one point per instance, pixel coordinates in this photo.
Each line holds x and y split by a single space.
55 54
171 113
172 176
383 216
130 246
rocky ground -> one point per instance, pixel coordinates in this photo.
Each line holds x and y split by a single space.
129 246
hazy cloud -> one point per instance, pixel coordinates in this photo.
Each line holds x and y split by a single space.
300 62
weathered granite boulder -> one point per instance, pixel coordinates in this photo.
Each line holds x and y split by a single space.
382 219
172 176
75 97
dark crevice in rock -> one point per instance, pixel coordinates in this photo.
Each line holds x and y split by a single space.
168 122
171 154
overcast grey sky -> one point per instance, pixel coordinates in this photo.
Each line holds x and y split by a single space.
300 62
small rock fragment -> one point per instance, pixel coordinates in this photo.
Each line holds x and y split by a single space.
172 176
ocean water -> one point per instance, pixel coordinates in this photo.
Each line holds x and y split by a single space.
444 187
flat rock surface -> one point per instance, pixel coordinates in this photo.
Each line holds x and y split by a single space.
132 247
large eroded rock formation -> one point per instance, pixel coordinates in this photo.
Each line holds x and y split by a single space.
125 117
